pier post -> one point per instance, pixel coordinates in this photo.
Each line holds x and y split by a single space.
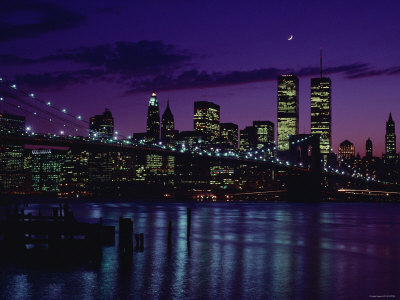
141 242
125 236
169 233
189 221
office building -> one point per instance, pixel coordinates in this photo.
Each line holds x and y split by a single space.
288 109
264 131
153 119
346 150
390 137
229 136
206 119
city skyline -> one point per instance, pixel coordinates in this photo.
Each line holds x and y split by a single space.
89 65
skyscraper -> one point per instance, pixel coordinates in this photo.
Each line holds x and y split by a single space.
288 109
153 119
206 119
321 120
248 138
167 125
390 137
264 133
368 149
102 126
229 136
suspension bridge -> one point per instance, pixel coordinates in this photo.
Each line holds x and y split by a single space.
120 164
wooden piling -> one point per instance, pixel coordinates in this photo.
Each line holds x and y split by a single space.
125 236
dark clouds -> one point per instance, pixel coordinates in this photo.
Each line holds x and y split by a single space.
58 80
196 79
154 65
123 58
48 17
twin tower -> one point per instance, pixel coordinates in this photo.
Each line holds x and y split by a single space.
288 111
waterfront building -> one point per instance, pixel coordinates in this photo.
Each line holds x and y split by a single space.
288 110
11 124
74 174
12 169
46 169
153 119
102 126
206 119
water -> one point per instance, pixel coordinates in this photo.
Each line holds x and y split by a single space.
248 251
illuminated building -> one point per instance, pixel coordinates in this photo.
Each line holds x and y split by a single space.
264 131
139 137
100 169
229 136
12 171
11 124
153 119
167 125
390 137
248 138
191 139
346 150
74 174
206 119
102 126
222 177
288 109
321 112
46 169
368 149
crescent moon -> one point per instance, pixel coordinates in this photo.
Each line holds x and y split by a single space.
291 38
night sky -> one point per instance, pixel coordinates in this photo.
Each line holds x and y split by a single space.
88 55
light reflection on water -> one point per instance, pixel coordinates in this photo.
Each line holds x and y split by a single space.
251 251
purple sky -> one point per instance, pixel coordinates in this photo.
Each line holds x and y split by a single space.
88 55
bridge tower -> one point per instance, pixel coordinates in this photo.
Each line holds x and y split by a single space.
304 149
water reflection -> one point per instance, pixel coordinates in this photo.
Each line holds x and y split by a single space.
256 251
